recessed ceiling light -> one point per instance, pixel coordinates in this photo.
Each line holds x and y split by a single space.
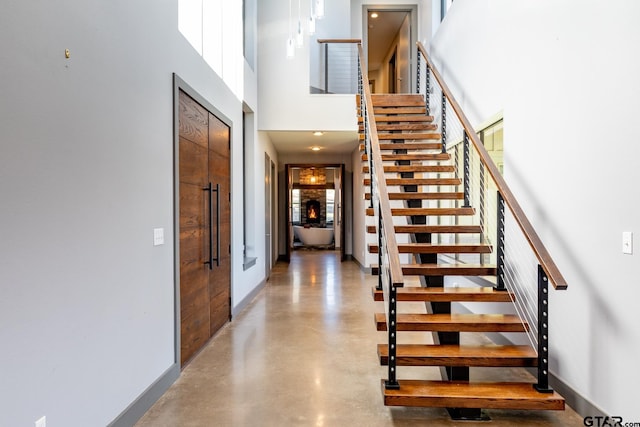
318 133
374 15
315 148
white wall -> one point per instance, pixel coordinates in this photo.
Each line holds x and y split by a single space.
283 85
86 173
565 76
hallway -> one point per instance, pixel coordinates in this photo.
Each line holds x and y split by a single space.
303 354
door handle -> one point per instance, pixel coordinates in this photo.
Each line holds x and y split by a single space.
210 261
217 258
209 189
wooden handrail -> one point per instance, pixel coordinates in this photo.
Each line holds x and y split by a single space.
547 263
358 41
395 269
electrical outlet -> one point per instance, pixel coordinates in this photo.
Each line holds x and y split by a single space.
627 242
42 422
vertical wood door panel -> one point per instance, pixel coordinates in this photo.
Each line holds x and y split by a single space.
193 121
204 156
220 173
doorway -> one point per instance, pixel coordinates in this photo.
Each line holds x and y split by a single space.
315 198
393 82
389 34
203 208
270 215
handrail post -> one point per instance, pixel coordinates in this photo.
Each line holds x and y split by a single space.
500 284
443 120
543 333
392 382
367 138
326 68
466 172
418 71
427 89
379 286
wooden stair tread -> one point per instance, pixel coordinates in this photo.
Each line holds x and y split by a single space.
417 229
427 211
448 294
414 168
418 181
430 248
382 127
400 110
401 119
460 355
417 156
407 146
454 322
397 100
490 395
444 269
404 136
421 196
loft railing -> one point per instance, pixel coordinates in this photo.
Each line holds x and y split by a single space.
334 68
389 270
524 265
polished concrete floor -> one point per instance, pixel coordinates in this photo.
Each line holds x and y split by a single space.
303 353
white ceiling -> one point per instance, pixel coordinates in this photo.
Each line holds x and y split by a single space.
380 34
292 142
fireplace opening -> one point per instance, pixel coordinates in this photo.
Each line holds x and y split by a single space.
313 212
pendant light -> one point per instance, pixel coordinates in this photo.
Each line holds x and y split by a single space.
319 10
299 33
291 51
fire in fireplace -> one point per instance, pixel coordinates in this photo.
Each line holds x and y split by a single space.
313 211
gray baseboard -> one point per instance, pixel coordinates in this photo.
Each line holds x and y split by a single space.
362 267
141 405
246 300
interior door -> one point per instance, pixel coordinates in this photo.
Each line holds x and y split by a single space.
204 225
267 215
340 212
219 174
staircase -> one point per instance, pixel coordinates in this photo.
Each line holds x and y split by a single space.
422 184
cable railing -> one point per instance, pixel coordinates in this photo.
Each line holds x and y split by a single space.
334 69
524 266
389 270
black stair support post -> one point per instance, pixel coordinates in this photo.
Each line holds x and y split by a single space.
543 333
466 172
392 382
380 278
418 58
427 90
500 239
443 125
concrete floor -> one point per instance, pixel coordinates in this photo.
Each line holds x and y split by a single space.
303 353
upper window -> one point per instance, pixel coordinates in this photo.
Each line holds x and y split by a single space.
444 8
203 23
491 137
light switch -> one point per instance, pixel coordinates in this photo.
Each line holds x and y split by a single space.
158 236
627 242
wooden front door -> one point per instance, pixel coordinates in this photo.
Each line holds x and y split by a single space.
205 225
